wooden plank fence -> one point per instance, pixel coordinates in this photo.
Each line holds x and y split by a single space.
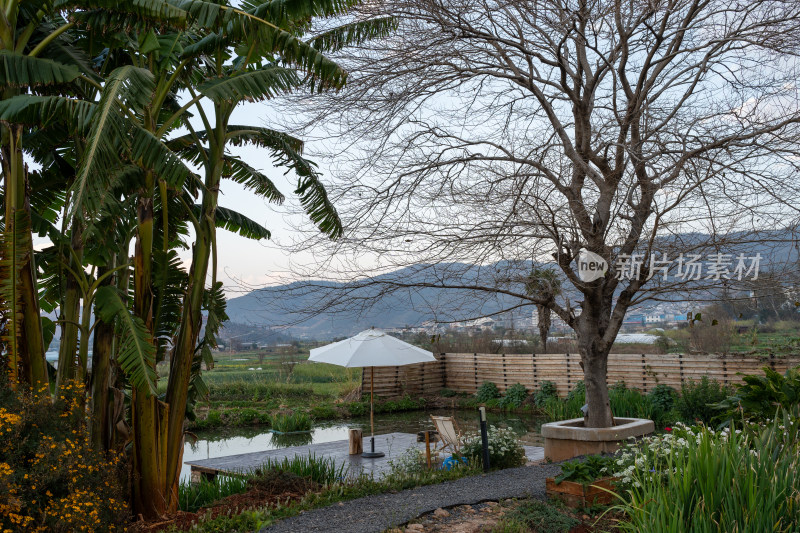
464 372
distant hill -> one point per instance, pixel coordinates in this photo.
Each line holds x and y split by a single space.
298 310
287 307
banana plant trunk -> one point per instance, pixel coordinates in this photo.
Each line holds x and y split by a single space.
148 414
68 367
26 362
183 354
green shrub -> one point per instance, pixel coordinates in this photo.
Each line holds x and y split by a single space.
212 420
591 469
358 408
662 397
760 397
515 395
447 393
547 389
248 417
698 398
579 390
505 451
487 391
534 515
323 412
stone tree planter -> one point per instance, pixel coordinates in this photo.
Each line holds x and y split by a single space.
566 439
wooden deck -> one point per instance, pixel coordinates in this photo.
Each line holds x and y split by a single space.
392 444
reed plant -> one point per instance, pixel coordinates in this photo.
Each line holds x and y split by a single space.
322 470
290 422
194 496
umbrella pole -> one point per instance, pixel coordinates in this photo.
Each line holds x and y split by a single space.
371 402
372 452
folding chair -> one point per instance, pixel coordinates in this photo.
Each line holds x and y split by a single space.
449 434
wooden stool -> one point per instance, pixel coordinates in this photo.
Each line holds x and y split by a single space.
356 441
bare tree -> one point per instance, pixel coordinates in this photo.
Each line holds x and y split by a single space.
484 136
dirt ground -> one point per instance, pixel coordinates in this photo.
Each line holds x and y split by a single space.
483 517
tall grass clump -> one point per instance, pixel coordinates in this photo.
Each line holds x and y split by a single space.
287 423
625 402
194 496
322 470
699 480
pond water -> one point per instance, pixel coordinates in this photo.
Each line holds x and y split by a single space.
233 441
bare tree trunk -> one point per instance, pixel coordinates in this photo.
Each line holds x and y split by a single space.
544 324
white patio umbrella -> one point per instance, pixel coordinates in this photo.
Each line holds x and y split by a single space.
371 348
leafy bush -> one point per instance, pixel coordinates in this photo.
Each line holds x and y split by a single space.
697 400
447 393
358 408
697 479
579 390
487 391
760 397
249 417
534 515
547 389
212 420
286 423
410 462
662 397
515 395
505 451
323 412
585 472
50 477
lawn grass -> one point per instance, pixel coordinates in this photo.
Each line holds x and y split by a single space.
266 385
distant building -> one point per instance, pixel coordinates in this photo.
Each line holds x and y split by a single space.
634 320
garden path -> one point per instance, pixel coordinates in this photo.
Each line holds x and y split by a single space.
382 511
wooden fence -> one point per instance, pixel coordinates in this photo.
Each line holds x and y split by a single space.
464 372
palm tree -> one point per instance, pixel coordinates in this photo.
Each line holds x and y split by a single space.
544 286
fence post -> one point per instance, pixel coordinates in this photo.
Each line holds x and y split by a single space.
533 365
644 375
475 368
724 370
443 369
505 375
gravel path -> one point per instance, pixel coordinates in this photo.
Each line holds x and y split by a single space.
379 512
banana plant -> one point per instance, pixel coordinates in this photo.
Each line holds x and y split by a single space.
27 30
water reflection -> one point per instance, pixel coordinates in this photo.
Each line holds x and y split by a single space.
286 440
233 441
